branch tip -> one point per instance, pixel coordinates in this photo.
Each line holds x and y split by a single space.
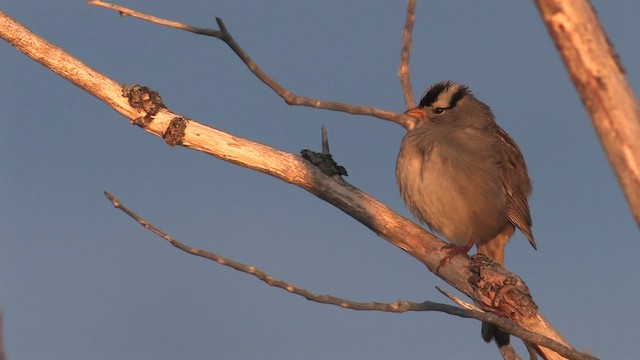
325 141
221 25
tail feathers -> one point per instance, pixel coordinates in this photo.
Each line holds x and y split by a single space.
492 332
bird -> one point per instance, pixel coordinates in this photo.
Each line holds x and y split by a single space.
463 176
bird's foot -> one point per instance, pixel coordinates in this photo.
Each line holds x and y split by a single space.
453 250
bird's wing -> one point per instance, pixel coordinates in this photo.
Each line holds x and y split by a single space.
516 184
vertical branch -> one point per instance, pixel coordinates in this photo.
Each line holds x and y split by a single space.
3 355
404 70
598 75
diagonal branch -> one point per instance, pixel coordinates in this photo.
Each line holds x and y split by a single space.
599 78
289 97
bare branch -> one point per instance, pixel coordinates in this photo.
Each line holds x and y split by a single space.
404 70
399 306
289 97
598 75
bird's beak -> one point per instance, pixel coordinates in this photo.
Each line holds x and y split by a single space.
417 113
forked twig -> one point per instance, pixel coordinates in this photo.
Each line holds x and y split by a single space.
289 97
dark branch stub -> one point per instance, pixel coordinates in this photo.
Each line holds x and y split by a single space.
144 100
175 131
324 160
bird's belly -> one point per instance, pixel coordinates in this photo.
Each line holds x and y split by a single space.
456 201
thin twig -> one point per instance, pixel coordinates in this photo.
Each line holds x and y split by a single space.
155 20
399 306
404 70
289 97
459 301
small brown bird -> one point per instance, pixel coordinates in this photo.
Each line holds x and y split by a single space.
462 175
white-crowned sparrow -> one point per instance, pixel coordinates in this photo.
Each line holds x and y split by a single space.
462 175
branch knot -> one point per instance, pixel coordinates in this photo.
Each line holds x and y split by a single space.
145 100
175 131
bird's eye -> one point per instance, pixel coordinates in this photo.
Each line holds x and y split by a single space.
438 110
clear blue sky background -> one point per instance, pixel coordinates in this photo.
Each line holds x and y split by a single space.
80 280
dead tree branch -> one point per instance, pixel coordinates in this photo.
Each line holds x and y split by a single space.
599 78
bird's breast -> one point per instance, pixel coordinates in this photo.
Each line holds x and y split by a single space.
460 195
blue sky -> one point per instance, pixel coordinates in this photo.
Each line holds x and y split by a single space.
79 279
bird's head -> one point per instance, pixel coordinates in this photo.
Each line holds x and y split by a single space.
448 103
